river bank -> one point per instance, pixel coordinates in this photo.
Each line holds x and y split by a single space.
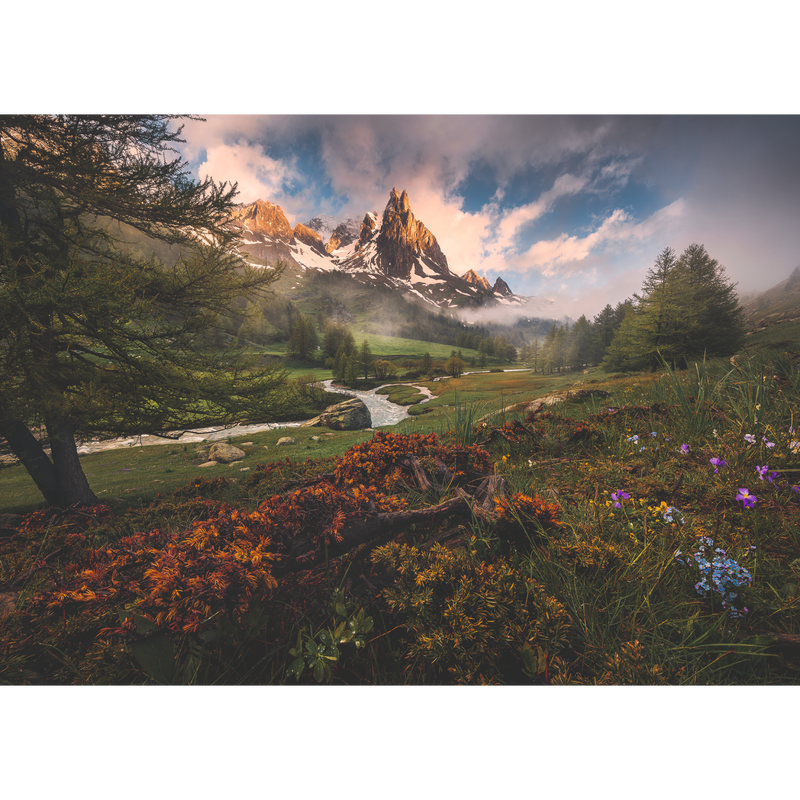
382 411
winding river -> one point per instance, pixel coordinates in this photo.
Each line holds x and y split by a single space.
381 410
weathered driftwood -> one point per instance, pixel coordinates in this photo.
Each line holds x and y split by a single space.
305 551
421 478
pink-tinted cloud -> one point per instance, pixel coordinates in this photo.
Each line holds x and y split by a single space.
565 253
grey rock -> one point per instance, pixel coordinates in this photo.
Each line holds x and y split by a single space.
225 453
286 440
351 415
208 464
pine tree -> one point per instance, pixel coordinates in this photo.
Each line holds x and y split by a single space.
623 354
534 355
579 348
548 349
604 328
333 338
365 358
715 317
687 309
346 349
351 370
108 295
303 340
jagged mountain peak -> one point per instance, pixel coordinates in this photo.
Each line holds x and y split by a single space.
262 217
404 243
399 202
476 280
393 249
324 225
501 287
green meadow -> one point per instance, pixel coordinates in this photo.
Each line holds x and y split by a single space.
645 529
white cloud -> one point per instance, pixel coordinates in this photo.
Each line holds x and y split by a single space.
258 175
565 252
516 218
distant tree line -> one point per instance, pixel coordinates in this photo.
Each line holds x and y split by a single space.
687 308
567 348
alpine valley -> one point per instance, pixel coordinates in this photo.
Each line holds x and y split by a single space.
393 249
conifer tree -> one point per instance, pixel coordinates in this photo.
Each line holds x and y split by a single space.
333 338
715 318
579 347
351 370
687 309
303 340
109 290
604 327
548 352
365 358
534 354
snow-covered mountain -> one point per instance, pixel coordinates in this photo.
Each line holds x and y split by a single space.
393 248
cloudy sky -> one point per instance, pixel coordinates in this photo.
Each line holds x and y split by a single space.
573 208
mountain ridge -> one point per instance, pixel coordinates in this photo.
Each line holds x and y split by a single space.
779 303
394 249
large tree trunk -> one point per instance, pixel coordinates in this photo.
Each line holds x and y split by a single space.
67 464
60 480
28 449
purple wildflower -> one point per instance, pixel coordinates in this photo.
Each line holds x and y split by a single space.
617 496
748 500
717 463
684 448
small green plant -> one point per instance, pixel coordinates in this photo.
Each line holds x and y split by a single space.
319 652
694 395
462 424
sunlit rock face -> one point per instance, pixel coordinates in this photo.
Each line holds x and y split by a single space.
403 239
262 218
264 230
470 276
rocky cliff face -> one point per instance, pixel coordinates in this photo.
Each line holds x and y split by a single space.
309 237
502 288
476 280
262 218
343 235
368 226
265 232
403 238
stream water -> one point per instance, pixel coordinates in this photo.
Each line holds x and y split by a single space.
381 410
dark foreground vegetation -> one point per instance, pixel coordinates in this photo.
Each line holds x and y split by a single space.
644 536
